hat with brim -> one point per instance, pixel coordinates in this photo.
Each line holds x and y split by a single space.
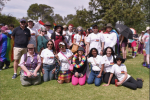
119 57
47 24
61 43
143 31
4 28
81 49
30 46
147 28
30 20
109 25
58 26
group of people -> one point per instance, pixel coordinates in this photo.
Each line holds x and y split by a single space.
97 58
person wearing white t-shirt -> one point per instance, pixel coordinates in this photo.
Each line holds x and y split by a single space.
64 56
95 40
33 32
48 61
65 34
108 58
79 38
120 71
49 31
110 37
97 65
70 33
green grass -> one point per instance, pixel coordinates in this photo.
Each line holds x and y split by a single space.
11 89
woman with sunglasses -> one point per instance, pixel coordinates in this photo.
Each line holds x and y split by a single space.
97 65
64 56
48 61
80 66
79 38
30 64
120 71
108 58
42 40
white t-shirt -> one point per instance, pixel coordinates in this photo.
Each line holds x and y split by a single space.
109 62
78 38
95 40
49 33
70 35
66 37
119 71
99 61
33 37
48 56
64 62
110 40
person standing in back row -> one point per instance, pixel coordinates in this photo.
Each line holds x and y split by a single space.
49 31
21 36
95 40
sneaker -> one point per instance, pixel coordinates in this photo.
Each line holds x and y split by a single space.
133 56
14 76
6 67
148 66
140 79
144 64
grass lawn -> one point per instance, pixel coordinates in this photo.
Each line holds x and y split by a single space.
11 89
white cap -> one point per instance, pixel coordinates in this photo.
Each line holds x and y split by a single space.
143 31
30 20
147 28
61 43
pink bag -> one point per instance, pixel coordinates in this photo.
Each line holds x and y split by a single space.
71 66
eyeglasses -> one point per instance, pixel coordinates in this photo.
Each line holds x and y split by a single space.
79 30
61 46
44 31
23 22
50 44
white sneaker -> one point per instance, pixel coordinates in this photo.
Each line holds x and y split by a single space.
133 56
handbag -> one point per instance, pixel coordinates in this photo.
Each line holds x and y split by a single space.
75 47
71 66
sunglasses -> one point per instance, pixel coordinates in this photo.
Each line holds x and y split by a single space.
50 44
61 46
44 31
30 48
79 30
23 22
118 60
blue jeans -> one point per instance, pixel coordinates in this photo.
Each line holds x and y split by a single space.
93 75
48 75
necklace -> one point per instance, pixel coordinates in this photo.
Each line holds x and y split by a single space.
81 63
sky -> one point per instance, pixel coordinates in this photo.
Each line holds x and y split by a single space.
18 8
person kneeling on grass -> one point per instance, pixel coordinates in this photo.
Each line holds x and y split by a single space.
80 67
64 56
97 64
30 64
120 71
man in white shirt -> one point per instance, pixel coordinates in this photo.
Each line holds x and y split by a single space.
95 40
49 31
110 37
33 32
70 33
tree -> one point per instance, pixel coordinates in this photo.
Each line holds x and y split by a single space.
68 18
58 19
2 4
43 11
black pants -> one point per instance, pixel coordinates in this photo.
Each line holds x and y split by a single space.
5 62
106 78
133 84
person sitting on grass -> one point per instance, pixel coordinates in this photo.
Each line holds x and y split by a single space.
108 58
97 64
80 67
64 56
30 64
120 71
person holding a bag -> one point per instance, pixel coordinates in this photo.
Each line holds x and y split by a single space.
80 67
97 64
79 38
64 56
48 61
30 64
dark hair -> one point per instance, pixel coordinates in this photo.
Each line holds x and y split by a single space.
112 52
53 48
56 27
90 54
11 25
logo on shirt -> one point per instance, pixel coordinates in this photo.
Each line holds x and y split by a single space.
97 40
111 64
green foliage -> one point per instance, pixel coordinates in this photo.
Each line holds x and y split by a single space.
7 19
58 19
